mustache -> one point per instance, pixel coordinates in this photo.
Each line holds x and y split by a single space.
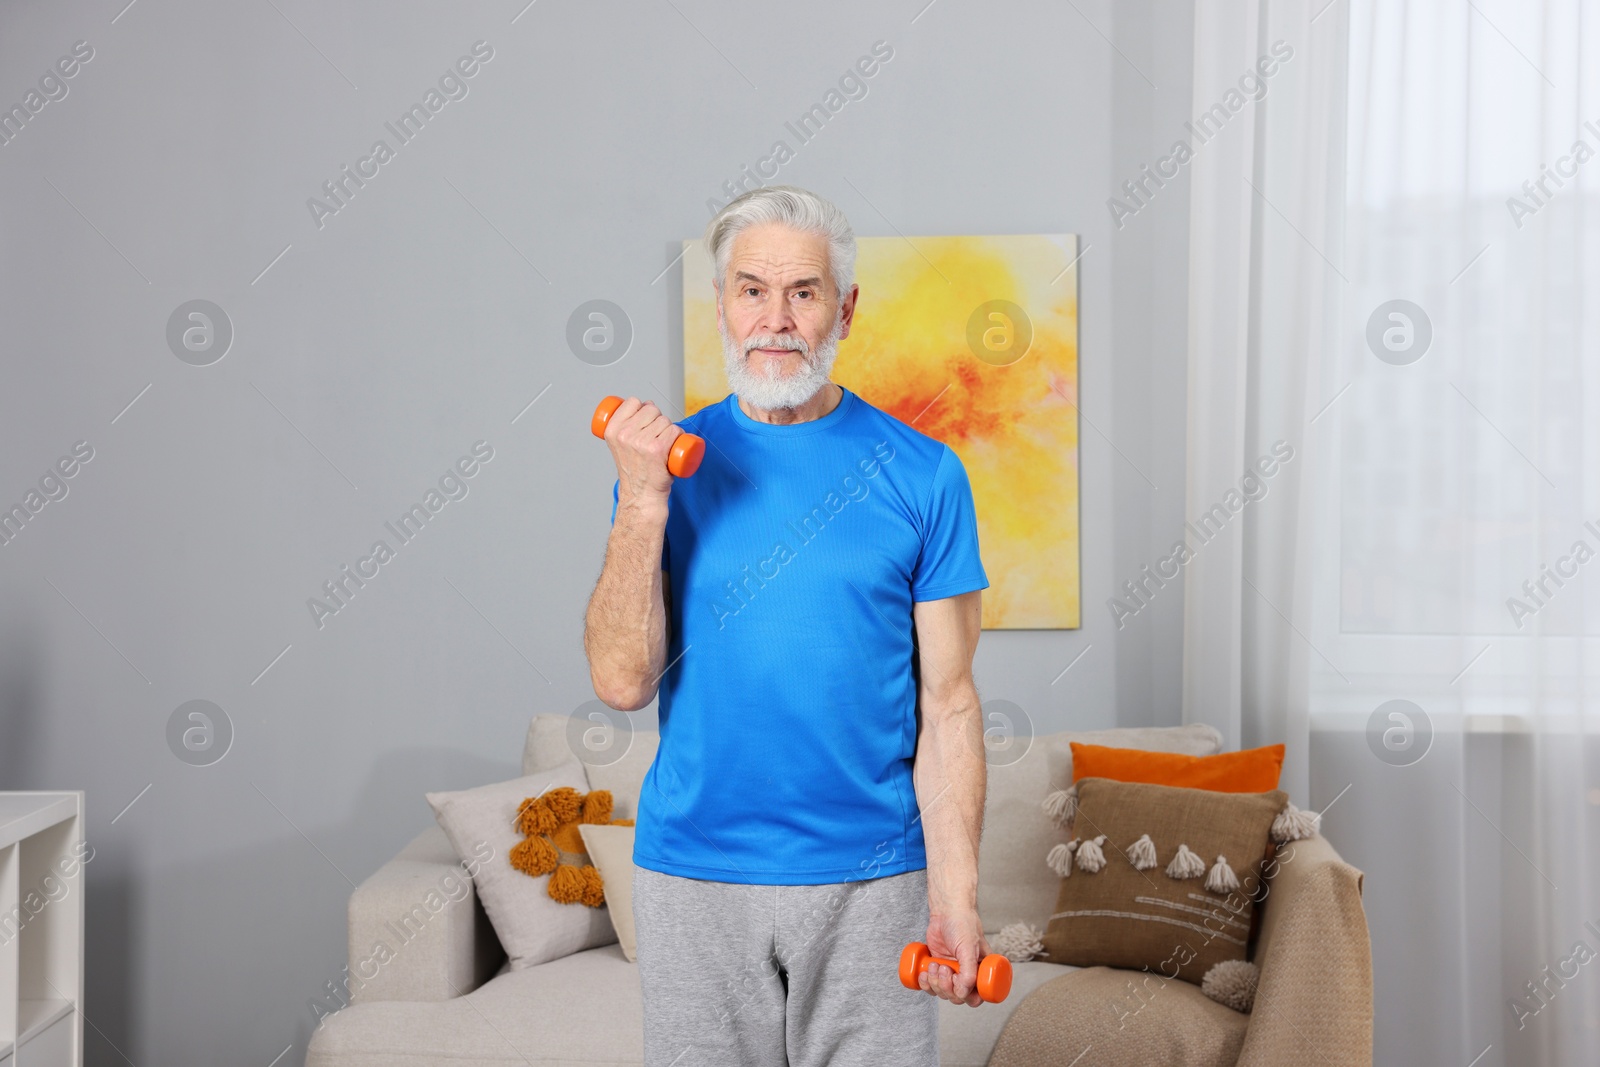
788 341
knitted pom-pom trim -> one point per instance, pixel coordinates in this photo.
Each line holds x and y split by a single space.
594 888
1018 942
597 807
1232 982
566 884
564 803
534 817
577 885
534 856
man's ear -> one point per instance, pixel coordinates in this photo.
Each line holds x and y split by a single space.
847 312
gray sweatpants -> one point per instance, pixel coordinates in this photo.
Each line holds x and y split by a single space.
782 975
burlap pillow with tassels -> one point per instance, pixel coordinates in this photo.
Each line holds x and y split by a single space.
1164 877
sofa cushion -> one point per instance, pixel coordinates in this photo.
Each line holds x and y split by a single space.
1254 770
610 848
1014 884
580 1009
1125 1017
1118 908
482 826
583 1010
1191 739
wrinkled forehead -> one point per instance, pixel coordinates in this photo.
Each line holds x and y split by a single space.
778 255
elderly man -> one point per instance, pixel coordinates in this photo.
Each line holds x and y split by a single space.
817 797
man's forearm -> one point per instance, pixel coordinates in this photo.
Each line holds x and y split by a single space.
625 629
951 776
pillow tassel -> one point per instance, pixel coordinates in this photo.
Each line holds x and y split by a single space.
1221 879
597 807
564 803
1062 806
534 817
593 893
534 856
1292 824
1060 858
1090 856
1142 853
1018 942
1186 864
566 884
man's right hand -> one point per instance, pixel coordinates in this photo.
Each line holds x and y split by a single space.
640 438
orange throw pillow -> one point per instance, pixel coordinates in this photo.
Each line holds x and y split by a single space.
1255 770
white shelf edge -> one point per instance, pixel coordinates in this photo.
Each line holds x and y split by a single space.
34 1015
27 824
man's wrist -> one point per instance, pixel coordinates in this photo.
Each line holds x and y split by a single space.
647 509
948 896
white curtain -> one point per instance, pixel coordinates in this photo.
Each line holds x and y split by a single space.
1409 291
1266 199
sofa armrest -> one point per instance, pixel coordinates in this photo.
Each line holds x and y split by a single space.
1314 998
417 929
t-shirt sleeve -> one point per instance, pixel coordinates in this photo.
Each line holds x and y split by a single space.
949 563
615 488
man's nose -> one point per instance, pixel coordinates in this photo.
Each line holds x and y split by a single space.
778 319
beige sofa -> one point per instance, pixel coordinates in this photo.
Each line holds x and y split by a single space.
447 999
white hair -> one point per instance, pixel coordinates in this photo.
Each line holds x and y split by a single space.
792 206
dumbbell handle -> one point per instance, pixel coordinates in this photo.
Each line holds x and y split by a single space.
687 448
994 971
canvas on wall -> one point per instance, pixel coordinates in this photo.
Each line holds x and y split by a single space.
974 342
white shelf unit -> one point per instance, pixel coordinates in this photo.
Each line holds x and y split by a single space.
42 853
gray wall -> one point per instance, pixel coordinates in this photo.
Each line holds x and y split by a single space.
419 319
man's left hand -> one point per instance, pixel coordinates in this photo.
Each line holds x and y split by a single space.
955 936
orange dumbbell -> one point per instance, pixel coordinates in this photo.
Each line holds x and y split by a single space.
994 971
687 449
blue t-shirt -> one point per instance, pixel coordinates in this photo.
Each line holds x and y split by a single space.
788 709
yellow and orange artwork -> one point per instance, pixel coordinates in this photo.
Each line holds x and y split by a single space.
974 342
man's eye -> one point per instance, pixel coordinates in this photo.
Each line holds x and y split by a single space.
803 292
750 289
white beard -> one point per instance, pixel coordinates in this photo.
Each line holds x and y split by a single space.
770 389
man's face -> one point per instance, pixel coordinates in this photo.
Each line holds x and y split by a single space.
779 316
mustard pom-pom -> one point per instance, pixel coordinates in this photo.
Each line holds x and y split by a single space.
566 884
534 817
564 803
594 891
597 807
534 857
